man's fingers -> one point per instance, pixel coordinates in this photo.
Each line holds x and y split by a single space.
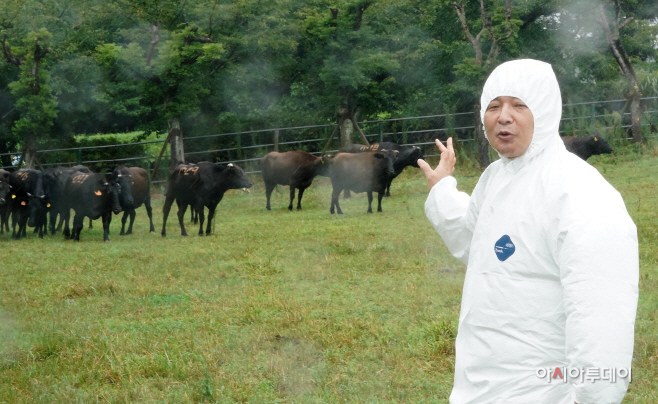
424 166
449 145
440 145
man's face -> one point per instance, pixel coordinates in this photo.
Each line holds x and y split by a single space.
509 125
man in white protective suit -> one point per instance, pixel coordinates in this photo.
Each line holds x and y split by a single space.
551 286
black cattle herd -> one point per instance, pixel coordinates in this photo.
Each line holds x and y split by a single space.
28 196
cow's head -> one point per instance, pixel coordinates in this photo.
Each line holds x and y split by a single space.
37 206
5 192
323 165
122 176
408 156
235 177
388 156
599 145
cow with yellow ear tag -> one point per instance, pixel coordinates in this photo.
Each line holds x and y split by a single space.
28 205
135 190
91 195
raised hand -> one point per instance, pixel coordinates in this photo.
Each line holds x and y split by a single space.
446 166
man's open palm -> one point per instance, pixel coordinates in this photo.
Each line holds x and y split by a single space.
446 166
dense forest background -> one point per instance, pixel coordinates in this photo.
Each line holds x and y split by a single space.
198 67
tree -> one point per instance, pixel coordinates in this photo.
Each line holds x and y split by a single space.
611 27
498 27
34 99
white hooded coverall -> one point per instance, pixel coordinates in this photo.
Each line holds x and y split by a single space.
552 265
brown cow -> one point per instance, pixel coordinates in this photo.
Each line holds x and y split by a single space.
363 172
294 168
135 190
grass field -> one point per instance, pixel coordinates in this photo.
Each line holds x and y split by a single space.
273 307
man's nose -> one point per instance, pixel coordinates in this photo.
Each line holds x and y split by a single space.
505 116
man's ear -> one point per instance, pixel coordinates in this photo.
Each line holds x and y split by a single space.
379 155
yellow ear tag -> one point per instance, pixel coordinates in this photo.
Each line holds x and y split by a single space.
48 205
13 196
23 203
98 193
596 139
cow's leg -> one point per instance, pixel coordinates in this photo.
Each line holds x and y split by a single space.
165 213
299 198
268 192
182 207
78 224
388 188
149 211
334 201
14 223
123 222
347 194
292 196
107 219
132 220
65 217
201 220
22 225
211 214
91 226
61 221
53 221
370 201
380 195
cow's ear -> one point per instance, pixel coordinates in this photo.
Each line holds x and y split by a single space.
379 155
596 139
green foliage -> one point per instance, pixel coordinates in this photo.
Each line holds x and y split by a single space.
34 99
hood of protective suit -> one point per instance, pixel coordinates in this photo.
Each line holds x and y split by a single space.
522 79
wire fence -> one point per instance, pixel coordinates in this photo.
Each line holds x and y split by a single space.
246 148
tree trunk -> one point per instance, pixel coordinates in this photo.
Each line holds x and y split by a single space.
346 127
176 144
636 113
481 138
30 152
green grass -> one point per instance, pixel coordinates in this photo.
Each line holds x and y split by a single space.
273 307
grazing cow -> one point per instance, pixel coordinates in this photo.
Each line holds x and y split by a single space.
54 180
294 168
91 195
5 199
407 156
362 172
200 185
28 204
585 147
134 191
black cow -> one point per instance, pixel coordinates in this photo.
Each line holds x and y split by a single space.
407 156
91 195
585 147
361 172
200 185
135 191
28 205
294 168
5 199
54 182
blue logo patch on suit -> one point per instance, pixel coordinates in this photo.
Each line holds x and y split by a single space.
504 248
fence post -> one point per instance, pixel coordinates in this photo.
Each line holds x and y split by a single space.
593 118
239 141
79 157
276 140
381 132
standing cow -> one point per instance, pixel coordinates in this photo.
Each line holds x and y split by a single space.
134 191
5 200
28 205
585 147
362 172
407 156
200 185
54 180
91 195
295 169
